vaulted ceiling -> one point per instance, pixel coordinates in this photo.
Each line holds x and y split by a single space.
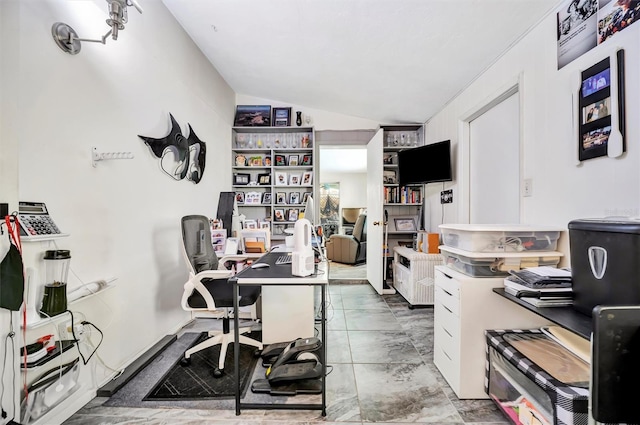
391 61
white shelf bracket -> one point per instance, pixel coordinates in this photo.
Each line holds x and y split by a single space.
103 156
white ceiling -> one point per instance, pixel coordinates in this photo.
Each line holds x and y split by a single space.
390 61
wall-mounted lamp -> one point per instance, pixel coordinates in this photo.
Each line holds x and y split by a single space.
67 39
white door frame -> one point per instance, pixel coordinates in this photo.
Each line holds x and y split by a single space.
464 136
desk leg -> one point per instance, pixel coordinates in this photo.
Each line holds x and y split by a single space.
236 344
323 317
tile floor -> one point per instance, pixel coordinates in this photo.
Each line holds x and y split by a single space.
383 372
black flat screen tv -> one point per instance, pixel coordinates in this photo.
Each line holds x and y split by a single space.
425 164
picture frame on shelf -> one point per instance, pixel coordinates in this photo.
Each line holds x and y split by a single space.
252 116
250 224
252 198
305 196
240 197
307 178
306 159
266 161
293 160
389 177
405 224
280 160
255 161
281 178
281 116
294 179
218 239
264 179
293 214
263 224
278 214
241 160
281 198
266 198
241 179
294 198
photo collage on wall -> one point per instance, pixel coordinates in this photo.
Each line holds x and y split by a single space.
584 24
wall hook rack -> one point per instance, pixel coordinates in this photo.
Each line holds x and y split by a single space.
103 156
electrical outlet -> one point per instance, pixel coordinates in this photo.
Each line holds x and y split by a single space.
446 196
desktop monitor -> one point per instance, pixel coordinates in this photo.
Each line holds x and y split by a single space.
309 212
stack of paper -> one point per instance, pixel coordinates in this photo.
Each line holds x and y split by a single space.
542 277
539 296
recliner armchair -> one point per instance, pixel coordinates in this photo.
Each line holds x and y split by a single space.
349 249
208 289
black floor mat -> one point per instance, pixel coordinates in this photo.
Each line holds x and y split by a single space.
196 381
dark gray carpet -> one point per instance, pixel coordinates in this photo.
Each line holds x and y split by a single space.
132 394
196 381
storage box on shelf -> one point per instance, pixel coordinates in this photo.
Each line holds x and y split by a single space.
464 307
413 275
549 385
273 173
491 264
500 238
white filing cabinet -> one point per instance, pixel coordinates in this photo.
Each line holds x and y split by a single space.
464 308
413 274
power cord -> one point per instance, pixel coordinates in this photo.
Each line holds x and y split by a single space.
9 338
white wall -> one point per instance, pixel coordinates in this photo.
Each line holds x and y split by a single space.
562 191
352 194
320 120
122 216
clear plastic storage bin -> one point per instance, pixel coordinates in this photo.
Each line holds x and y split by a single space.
487 264
500 238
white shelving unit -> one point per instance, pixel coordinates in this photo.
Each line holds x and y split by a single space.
399 202
274 169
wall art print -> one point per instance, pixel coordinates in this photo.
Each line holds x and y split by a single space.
180 157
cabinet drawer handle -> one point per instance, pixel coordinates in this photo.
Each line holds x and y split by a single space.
446 275
447 332
445 353
446 308
447 292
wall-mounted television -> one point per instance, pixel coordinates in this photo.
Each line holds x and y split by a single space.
425 164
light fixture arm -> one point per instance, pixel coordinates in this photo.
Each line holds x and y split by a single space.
67 39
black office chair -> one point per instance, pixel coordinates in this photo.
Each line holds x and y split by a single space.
208 289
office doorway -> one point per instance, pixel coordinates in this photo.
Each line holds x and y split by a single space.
491 161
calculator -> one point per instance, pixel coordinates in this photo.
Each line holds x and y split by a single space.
35 220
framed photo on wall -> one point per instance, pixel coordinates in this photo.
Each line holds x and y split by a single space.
601 109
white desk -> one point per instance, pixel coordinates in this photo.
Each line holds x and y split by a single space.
280 276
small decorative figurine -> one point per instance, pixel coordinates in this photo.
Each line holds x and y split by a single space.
298 118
